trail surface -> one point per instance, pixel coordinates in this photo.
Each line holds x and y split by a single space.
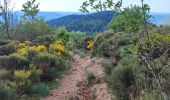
74 85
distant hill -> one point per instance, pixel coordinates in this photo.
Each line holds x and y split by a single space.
94 22
55 18
158 17
164 22
50 15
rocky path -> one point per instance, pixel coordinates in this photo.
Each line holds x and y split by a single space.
74 86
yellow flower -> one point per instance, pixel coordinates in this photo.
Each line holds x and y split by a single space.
22 51
21 77
21 45
58 47
22 74
41 48
90 44
33 48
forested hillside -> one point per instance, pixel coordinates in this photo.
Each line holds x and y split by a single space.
48 15
157 17
94 22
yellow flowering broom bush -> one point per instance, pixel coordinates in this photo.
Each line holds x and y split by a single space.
41 48
21 45
24 49
58 48
22 77
90 44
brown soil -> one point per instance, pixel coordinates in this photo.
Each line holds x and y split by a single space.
74 85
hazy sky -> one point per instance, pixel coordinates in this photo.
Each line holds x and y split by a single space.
74 5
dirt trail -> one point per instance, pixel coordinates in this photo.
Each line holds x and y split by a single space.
74 85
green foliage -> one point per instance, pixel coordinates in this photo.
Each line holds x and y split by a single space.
42 89
22 78
29 31
102 45
122 51
130 78
150 96
30 9
31 54
99 5
130 20
45 61
51 66
35 74
91 78
62 35
4 74
7 49
107 67
122 78
6 93
46 40
113 44
89 23
161 30
13 62
4 42
77 39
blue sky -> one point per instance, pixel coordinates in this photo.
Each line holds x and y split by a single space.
74 5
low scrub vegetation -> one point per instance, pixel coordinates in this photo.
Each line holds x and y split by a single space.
33 55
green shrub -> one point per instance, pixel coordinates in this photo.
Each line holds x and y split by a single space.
4 42
30 55
45 61
48 64
35 74
126 40
107 67
123 77
44 40
91 78
78 38
63 35
6 93
4 74
42 89
122 51
104 45
7 49
51 65
132 22
150 96
31 30
13 62
28 97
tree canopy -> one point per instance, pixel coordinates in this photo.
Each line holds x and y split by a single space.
30 9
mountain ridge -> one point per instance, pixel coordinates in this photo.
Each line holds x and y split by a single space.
93 22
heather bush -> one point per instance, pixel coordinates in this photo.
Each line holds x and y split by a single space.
4 74
45 61
13 62
111 44
7 49
42 89
6 93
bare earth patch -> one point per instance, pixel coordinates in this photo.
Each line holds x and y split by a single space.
74 85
